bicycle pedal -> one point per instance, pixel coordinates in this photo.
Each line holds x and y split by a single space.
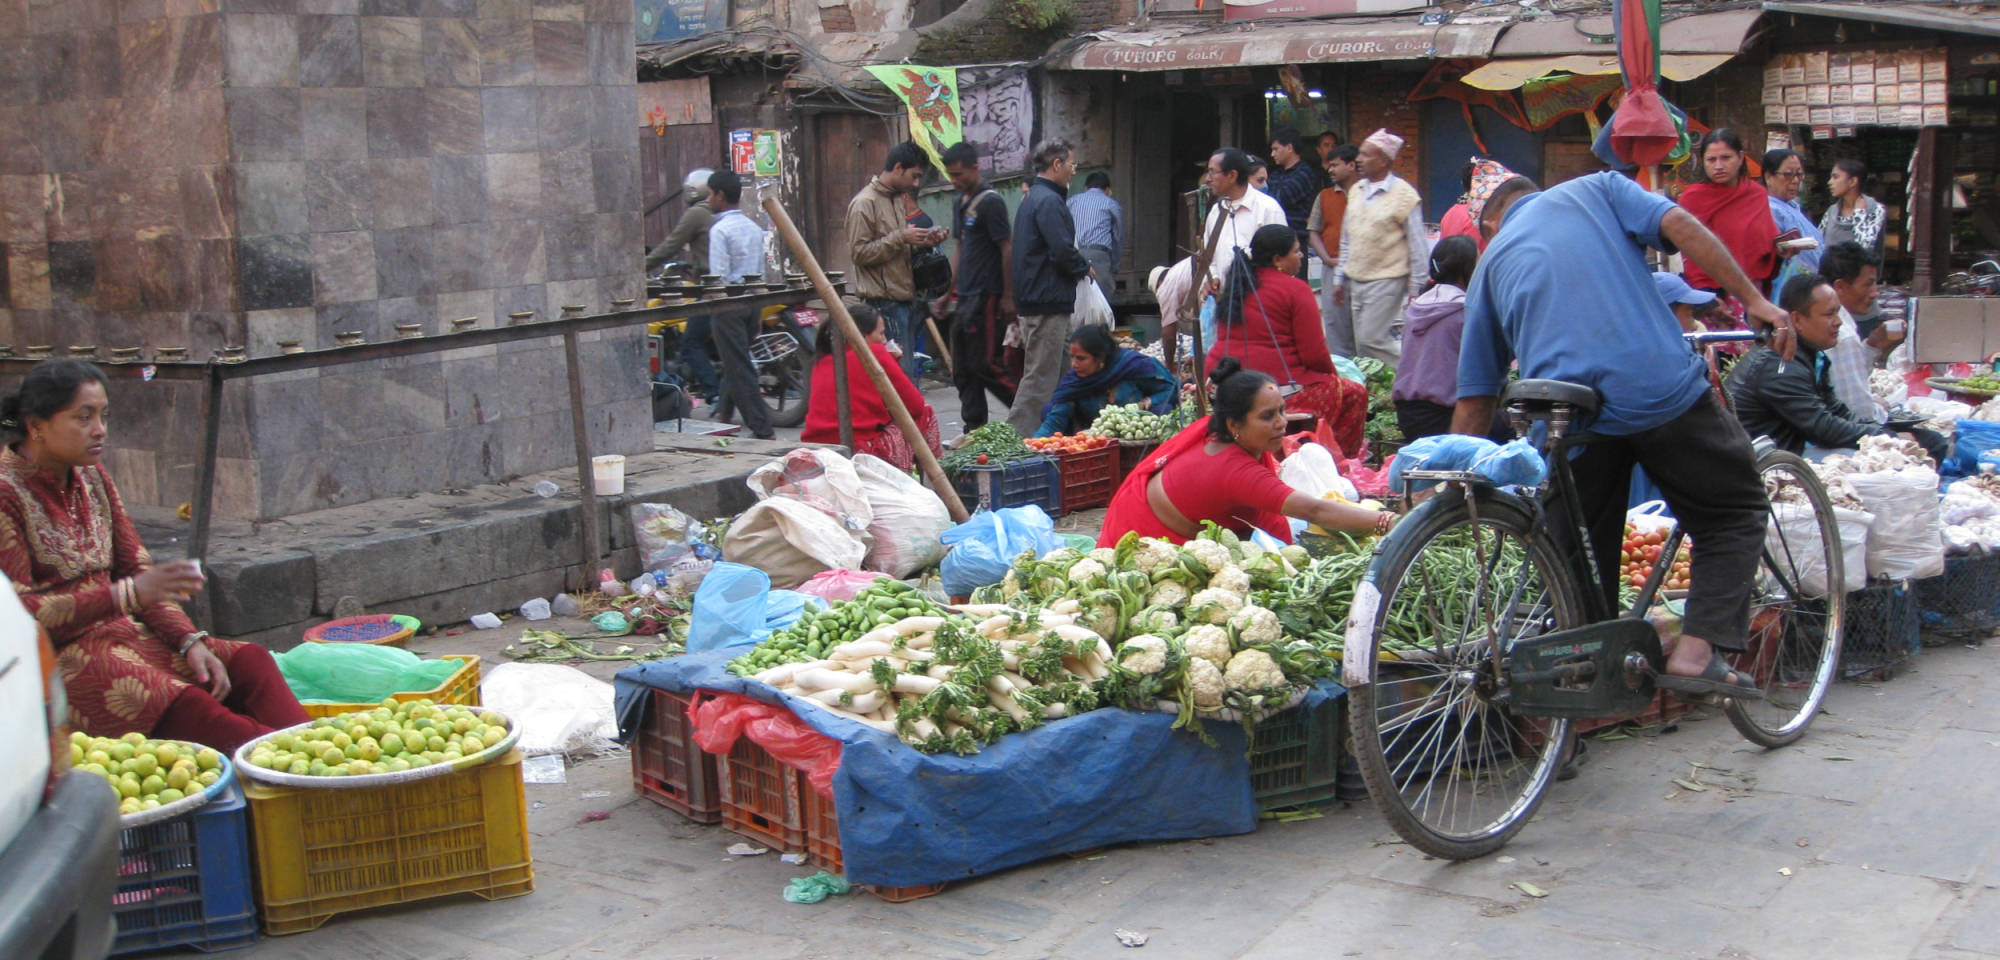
1585 672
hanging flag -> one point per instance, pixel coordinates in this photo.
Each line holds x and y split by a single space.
1643 131
931 96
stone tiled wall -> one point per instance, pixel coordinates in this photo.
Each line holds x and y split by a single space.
209 172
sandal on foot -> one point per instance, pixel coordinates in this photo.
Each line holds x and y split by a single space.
1717 680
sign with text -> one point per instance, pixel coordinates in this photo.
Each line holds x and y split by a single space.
743 151
1258 9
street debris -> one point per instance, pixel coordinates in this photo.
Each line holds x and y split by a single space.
1130 938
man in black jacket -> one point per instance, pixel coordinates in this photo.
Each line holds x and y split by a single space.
1047 266
1792 402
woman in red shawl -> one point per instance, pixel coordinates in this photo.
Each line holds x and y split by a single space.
130 658
1735 207
1268 319
1221 468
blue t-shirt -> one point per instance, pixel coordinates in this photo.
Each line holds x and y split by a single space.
1565 288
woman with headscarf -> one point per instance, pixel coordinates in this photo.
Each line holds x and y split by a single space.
1735 208
1268 319
1102 372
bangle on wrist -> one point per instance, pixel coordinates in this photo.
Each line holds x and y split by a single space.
188 642
1383 521
125 593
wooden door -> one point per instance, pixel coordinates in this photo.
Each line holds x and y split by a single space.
848 149
664 160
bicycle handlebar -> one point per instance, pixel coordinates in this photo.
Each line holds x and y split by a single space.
1727 336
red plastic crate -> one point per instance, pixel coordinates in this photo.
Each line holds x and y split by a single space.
667 767
1130 453
760 797
823 848
1088 477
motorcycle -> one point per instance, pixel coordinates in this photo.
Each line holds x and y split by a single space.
781 354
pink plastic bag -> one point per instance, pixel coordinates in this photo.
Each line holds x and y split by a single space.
836 586
718 722
1370 483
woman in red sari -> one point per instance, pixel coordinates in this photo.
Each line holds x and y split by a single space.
1735 207
875 432
1268 319
1222 468
130 658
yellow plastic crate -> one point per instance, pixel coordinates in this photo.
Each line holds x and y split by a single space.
322 852
461 688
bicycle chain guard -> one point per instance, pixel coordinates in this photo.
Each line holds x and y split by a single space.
1583 672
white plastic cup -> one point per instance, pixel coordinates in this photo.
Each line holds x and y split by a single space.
607 474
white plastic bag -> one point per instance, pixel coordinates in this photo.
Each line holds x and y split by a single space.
1650 517
791 542
909 518
1906 538
1091 307
1793 537
1314 472
558 709
821 479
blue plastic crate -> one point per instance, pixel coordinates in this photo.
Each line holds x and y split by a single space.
185 882
1034 481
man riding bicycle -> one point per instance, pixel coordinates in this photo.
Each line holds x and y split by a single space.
1564 287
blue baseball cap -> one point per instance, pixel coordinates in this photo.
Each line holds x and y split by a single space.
1676 290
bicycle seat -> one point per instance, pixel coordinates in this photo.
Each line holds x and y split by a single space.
1539 398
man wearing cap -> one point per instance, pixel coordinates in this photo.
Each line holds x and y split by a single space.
1384 256
1689 304
1564 287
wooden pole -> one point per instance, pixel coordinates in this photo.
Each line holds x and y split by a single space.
586 485
937 341
841 391
204 481
873 367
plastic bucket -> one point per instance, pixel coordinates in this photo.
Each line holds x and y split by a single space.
607 475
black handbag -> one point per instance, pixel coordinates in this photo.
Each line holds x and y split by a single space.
930 273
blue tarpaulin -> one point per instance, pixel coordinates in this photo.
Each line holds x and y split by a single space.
909 818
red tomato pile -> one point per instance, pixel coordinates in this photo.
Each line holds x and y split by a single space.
1068 443
1642 551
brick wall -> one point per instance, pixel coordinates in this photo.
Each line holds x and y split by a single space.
192 178
1376 101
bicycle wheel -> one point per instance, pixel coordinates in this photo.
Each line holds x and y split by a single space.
1452 768
1796 611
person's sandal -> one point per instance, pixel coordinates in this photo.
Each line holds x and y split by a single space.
1717 681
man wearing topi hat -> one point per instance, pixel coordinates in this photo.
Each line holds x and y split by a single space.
1384 257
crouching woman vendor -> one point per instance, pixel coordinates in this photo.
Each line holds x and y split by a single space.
130 658
1101 372
1222 468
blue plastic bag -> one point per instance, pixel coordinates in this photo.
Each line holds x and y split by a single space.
984 547
735 606
1975 437
1513 463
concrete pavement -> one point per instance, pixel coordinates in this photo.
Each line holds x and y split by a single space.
1871 838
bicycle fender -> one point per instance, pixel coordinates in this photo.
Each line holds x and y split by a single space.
1357 661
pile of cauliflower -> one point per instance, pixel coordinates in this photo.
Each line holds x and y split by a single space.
1186 633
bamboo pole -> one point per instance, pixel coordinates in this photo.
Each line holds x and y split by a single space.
1191 311
869 365
937 341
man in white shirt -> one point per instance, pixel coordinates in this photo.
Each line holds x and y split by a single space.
736 253
1384 255
1241 211
1852 271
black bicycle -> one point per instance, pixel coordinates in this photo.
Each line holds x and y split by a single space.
1477 636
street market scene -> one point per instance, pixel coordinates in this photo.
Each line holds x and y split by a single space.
1018 478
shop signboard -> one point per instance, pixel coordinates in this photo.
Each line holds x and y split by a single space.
765 149
659 21
1258 9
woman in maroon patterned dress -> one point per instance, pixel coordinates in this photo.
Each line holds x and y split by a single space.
130 658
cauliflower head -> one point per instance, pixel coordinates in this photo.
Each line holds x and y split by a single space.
1212 555
1167 593
1213 606
1207 642
1206 682
1253 670
1063 556
1104 555
1156 620
1086 570
1255 624
1231 578
1153 555
1144 654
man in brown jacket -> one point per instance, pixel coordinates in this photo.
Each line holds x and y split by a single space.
880 242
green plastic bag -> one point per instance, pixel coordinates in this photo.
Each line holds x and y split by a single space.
358 673
815 888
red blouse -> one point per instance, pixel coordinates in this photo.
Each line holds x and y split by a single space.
1280 336
869 412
